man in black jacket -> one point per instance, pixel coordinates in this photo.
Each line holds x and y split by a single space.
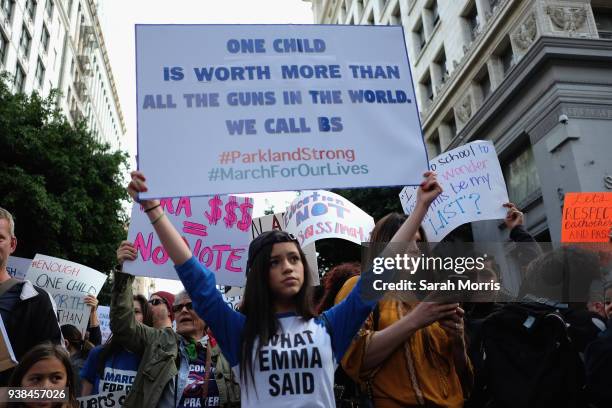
27 310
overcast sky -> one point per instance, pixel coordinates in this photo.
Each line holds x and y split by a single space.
118 17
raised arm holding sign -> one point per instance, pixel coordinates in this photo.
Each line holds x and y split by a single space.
474 189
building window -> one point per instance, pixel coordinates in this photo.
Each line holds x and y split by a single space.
396 16
30 9
521 176
603 20
359 6
440 66
484 83
19 78
40 73
419 36
7 8
49 6
427 89
434 145
25 41
3 47
472 21
44 38
435 13
370 20
449 121
506 56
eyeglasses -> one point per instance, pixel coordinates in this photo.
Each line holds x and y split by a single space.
178 308
157 302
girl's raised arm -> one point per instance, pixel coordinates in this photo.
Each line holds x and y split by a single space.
172 241
225 323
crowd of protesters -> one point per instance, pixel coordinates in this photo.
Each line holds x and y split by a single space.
284 348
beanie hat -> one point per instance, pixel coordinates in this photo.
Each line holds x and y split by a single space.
169 299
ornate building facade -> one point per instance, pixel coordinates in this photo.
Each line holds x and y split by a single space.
533 76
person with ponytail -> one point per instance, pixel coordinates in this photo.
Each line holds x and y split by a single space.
409 353
284 354
79 351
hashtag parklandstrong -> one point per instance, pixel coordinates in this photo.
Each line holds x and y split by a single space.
299 154
274 171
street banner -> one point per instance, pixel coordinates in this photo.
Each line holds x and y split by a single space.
587 217
257 108
217 229
18 267
275 222
68 283
104 317
321 214
474 189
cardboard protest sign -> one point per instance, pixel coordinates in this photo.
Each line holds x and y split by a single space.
322 214
474 189
105 399
275 222
7 356
217 229
18 267
68 282
104 317
274 108
587 217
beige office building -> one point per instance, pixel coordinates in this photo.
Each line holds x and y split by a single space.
533 76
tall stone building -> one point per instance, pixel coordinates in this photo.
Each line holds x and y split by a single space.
533 76
58 44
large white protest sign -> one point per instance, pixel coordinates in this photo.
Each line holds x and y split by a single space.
274 107
275 222
474 189
18 267
322 214
217 229
104 318
68 282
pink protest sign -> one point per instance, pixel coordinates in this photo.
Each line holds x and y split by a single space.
217 230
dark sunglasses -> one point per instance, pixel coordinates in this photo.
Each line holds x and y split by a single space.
157 302
178 308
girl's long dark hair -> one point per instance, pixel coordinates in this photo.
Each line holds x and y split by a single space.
40 352
75 338
111 348
384 230
258 307
333 282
